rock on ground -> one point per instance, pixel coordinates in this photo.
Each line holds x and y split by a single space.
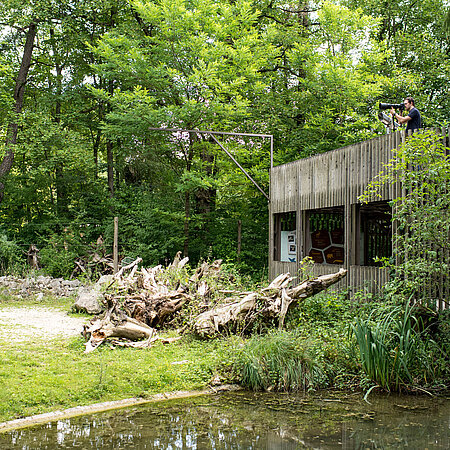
89 298
25 287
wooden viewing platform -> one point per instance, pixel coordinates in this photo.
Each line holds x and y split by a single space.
314 211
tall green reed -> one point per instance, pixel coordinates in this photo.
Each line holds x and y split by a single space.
387 347
276 361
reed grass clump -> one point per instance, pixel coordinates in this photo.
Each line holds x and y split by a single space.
387 347
277 362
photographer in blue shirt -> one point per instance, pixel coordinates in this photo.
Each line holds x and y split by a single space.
413 120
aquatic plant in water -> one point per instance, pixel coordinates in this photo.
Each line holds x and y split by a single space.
387 346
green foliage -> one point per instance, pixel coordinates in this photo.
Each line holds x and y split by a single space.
446 22
323 308
387 349
314 352
150 225
388 344
322 321
397 352
58 256
11 256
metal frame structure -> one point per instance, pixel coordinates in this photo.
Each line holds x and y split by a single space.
226 133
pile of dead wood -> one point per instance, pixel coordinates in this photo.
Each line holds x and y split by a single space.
141 300
96 261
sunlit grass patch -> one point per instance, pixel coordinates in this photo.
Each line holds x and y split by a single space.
39 377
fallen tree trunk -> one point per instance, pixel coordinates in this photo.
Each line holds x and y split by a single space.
115 323
271 302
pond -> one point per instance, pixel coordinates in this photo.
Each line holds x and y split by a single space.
246 420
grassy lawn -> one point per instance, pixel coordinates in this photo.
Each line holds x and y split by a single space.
43 376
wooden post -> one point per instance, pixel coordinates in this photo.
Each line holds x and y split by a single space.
116 245
239 240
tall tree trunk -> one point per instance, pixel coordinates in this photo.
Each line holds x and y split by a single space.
205 198
19 90
61 191
187 198
109 151
187 213
96 146
110 164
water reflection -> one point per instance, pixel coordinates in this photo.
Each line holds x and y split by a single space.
246 420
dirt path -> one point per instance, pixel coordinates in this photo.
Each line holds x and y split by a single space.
37 322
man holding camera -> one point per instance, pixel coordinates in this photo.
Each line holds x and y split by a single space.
413 120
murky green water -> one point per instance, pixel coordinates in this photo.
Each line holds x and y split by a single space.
243 420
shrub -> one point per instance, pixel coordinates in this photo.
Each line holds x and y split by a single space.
59 255
11 256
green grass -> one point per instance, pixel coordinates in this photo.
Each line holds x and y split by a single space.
38 376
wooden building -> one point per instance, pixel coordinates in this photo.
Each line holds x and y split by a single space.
314 211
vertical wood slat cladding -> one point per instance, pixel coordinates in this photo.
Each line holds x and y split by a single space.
333 179
329 179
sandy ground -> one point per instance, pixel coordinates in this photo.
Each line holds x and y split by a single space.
37 322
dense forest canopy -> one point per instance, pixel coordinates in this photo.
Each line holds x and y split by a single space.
83 82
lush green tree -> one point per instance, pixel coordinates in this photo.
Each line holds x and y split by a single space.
53 181
324 79
419 46
191 65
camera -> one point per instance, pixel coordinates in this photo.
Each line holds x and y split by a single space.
399 106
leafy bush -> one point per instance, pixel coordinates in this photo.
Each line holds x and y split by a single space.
59 255
326 308
11 256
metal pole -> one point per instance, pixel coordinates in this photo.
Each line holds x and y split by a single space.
240 167
180 130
